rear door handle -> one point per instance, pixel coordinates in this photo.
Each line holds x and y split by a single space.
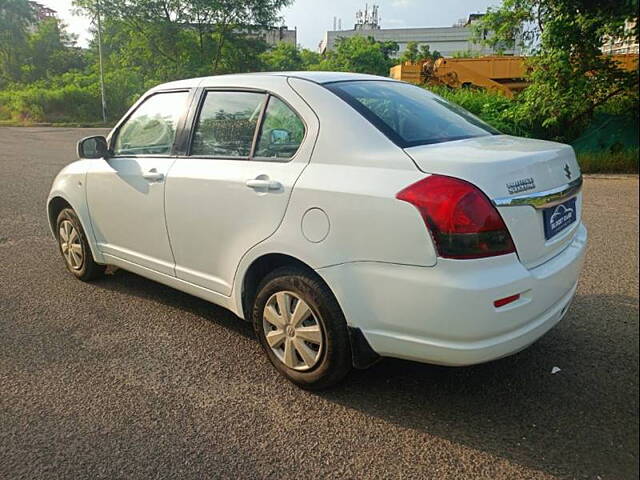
263 184
153 175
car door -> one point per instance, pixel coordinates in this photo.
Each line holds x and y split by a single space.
247 149
125 193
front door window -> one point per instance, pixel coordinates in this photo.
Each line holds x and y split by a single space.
151 128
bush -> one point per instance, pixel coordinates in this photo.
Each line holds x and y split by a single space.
503 114
34 103
493 108
625 161
70 98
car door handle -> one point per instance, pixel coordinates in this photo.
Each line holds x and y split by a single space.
153 175
263 184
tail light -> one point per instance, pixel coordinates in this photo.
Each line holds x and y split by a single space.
462 220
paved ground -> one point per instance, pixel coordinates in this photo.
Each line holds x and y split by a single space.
125 378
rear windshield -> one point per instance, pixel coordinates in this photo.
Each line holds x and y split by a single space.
410 115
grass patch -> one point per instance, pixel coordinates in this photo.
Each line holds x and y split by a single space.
625 161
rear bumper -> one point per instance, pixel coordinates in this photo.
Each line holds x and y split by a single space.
445 314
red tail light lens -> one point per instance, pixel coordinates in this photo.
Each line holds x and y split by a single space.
462 220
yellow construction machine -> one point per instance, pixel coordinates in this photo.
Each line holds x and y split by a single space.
504 74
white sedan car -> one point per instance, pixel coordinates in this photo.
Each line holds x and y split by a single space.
349 217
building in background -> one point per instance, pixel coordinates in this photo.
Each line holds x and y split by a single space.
617 46
273 36
446 40
40 12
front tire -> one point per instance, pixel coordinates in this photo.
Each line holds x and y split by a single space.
302 329
75 250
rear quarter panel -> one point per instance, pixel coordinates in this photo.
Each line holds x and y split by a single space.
354 175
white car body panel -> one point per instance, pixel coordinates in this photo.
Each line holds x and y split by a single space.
209 199
69 185
445 314
201 228
127 210
491 163
171 281
527 230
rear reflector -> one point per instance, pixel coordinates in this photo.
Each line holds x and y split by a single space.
462 220
506 301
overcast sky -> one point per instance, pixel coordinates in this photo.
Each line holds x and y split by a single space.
313 17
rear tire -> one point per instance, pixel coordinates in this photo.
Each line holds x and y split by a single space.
75 250
308 338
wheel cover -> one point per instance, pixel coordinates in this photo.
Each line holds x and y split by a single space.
293 332
71 245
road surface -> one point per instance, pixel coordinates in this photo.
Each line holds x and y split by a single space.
126 378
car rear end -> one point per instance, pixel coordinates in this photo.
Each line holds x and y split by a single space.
504 216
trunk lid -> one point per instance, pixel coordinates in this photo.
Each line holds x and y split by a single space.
504 167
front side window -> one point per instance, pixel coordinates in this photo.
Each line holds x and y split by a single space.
151 128
410 115
281 133
227 124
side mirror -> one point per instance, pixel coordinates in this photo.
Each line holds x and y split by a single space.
280 136
93 147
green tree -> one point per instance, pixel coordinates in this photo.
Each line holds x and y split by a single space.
426 53
410 53
389 48
51 51
288 57
310 59
177 31
360 55
570 77
241 53
16 16
32 49
416 52
283 57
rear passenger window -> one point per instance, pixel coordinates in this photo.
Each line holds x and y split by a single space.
227 124
151 128
281 134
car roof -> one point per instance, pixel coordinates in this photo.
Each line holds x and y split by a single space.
327 77
313 76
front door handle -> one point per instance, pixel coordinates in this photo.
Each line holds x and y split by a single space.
263 184
153 175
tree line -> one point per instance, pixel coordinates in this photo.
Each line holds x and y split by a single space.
44 76
570 78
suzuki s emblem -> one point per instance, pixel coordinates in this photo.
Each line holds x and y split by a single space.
567 171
